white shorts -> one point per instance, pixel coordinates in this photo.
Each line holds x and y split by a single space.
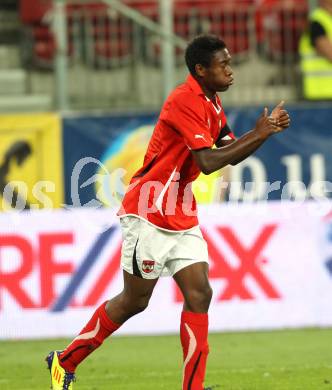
149 252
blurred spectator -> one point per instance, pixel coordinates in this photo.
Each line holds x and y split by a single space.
316 54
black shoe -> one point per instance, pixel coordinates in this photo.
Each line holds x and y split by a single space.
211 387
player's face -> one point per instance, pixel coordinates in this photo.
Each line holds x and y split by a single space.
219 75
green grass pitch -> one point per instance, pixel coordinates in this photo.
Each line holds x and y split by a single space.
278 360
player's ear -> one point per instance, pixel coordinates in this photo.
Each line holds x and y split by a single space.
200 70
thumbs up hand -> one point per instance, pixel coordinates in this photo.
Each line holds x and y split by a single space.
280 116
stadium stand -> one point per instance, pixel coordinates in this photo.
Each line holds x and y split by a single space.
262 36
278 27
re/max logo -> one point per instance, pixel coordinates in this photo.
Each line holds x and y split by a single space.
40 254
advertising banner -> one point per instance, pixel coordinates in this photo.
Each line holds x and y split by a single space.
270 267
31 171
95 147
102 153
295 164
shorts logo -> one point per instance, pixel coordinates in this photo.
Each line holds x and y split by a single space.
147 266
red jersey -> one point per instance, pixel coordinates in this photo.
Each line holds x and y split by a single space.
160 192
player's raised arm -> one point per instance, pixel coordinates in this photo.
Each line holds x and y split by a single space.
211 160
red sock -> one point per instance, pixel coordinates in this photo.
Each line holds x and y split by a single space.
91 337
194 340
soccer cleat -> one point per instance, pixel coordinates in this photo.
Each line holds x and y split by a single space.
60 378
211 387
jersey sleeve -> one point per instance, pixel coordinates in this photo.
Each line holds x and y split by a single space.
187 116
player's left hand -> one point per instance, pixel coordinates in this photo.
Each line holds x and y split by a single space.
280 116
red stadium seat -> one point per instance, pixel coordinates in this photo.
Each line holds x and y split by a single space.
279 26
109 35
110 32
33 11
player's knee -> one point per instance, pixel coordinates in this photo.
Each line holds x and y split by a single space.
199 299
207 296
137 304
142 303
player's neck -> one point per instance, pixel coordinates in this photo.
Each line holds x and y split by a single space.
207 92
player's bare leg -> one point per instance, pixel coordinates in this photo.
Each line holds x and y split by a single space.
107 319
194 284
132 300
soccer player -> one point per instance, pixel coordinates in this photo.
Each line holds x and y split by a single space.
158 214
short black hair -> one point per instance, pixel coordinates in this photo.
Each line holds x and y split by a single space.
201 50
